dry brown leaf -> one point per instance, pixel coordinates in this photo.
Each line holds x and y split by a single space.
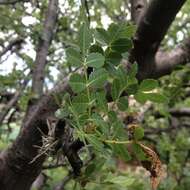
153 165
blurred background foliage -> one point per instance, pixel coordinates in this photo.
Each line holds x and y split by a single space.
169 135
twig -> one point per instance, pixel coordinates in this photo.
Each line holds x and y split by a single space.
13 101
87 10
15 42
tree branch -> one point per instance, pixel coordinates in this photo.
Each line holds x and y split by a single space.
12 101
165 62
159 131
138 7
151 30
15 167
43 46
182 112
15 42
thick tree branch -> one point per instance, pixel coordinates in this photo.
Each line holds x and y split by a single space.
165 62
15 171
43 46
151 30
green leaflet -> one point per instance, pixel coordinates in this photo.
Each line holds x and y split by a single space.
122 30
97 144
77 82
85 38
80 103
98 78
95 60
102 36
122 103
154 97
138 133
121 45
148 84
74 57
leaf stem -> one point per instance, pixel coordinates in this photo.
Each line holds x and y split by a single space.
117 142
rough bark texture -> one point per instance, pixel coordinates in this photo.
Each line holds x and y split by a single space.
138 7
150 31
15 171
43 46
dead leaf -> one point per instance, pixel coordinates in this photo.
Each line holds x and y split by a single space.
153 165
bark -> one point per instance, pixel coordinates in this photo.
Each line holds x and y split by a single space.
182 112
165 62
43 46
138 7
15 171
150 32
40 182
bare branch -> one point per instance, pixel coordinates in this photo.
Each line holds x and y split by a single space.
15 42
180 112
165 62
13 101
43 46
87 10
